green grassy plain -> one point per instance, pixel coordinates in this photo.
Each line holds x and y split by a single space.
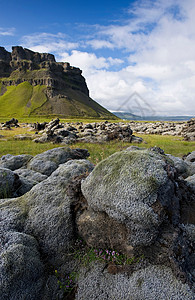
170 144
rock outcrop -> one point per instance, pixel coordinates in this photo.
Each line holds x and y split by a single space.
64 91
67 133
137 202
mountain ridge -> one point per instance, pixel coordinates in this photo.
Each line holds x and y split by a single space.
63 87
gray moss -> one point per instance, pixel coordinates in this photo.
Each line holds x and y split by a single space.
153 282
125 185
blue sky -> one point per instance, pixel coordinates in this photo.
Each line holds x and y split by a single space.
123 47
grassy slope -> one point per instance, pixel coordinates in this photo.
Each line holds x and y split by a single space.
26 100
21 100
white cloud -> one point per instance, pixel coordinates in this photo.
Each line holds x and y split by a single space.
7 31
162 67
156 43
89 62
98 44
47 42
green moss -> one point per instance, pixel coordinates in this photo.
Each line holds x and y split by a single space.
127 167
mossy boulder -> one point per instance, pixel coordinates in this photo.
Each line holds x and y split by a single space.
126 186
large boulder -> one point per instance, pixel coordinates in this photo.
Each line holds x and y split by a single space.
14 162
48 161
51 209
132 187
43 220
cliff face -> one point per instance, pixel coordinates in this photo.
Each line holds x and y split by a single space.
64 87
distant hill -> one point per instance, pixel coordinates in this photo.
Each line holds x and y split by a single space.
130 116
34 84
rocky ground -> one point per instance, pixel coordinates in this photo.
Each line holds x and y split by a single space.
184 129
139 202
101 132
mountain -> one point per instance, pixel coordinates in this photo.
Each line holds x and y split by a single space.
34 84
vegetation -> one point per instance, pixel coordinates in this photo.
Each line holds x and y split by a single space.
21 100
84 256
170 144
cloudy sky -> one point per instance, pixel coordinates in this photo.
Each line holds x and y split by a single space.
144 48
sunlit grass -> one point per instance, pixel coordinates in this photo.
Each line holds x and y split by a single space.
170 144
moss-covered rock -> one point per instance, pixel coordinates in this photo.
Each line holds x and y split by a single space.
125 186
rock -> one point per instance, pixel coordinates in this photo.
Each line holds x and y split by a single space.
24 137
180 165
44 219
28 179
152 282
132 202
188 131
127 186
14 162
12 122
191 181
50 218
103 232
9 182
31 175
39 126
90 133
21 269
25 186
190 160
45 167
136 139
47 162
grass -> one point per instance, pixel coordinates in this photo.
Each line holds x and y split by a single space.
170 144
21 100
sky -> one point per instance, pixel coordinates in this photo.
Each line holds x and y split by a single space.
136 56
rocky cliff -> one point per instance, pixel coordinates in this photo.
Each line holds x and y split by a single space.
33 83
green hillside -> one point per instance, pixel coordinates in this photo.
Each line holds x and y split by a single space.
21 100
25 100
33 84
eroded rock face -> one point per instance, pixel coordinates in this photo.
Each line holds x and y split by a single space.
126 186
